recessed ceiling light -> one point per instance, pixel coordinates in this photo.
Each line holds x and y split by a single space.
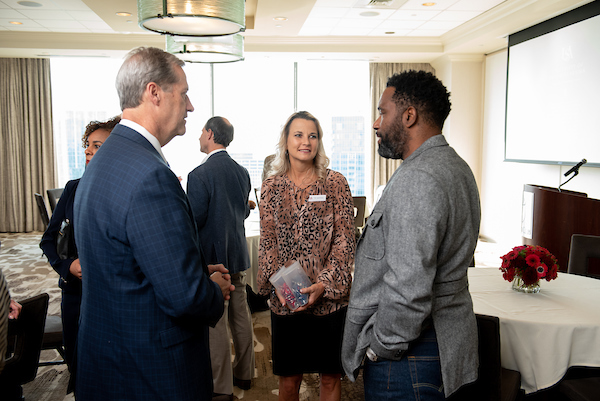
29 3
16 23
390 33
369 14
123 14
280 18
429 4
277 26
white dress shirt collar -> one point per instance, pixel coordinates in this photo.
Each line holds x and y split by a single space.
146 134
212 153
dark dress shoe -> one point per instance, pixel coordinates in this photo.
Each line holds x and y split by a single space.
243 384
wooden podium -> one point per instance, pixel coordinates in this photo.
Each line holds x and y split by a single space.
551 216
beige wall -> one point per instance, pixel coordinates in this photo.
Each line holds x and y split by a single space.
502 182
463 76
475 128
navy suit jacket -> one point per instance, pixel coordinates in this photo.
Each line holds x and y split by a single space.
218 191
147 300
64 210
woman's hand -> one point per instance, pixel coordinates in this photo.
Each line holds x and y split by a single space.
314 292
75 268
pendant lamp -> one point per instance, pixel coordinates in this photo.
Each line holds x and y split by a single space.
192 17
207 49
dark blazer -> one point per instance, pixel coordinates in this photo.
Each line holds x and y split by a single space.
147 299
63 210
218 191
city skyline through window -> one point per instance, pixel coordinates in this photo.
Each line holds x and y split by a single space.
256 95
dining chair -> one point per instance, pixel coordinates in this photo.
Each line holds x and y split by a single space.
583 386
41 204
25 340
494 383
360 204
583 247
257 196
53 197
53 339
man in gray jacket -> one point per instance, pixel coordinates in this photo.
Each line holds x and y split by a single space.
410 310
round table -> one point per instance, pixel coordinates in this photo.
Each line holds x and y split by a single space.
542 334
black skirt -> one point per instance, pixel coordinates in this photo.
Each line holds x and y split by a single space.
305 343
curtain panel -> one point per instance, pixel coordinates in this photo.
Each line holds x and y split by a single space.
381 168
26 142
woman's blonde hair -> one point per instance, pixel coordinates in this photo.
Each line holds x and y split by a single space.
281 163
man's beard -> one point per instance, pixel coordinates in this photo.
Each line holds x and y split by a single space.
393 142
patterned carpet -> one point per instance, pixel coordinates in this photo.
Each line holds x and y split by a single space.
28 273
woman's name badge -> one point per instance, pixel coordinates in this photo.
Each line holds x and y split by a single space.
317 198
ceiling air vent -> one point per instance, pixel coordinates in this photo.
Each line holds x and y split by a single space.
380 3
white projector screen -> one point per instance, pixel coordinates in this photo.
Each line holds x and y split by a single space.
553 90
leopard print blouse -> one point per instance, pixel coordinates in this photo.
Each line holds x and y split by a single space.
318 234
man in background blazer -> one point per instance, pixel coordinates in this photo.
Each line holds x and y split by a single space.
218 191
147 296
410 309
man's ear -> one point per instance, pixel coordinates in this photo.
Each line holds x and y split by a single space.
211 134
154 93
409 117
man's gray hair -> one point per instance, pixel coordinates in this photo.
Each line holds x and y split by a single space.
143 65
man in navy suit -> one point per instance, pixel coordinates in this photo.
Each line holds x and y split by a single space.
218 191
147 296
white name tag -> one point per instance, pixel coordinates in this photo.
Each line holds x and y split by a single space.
317 198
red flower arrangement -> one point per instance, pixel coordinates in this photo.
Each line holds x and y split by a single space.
529 262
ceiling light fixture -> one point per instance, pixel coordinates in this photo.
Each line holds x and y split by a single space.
207 49
192 18
280 19
429 4
369 14
123 14
16 23
29 3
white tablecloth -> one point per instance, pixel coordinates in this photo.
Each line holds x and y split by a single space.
542 334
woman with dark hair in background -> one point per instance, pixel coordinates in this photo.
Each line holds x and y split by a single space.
69 269
307 215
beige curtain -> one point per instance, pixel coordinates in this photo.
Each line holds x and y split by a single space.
382 169
27 149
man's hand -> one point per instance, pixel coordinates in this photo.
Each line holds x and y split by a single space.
315 292
14 310
219 274
251 204
75 268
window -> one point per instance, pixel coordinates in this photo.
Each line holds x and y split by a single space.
337 93
256 95
83 90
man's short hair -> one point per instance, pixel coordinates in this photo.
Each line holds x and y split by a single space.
143 65
424 92
222 130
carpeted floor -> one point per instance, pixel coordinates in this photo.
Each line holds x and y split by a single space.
28 273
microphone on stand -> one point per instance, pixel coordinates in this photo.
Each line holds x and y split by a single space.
575 168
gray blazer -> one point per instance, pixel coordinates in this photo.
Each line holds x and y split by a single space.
411 263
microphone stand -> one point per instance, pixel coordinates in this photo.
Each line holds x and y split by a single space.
574 170
573 176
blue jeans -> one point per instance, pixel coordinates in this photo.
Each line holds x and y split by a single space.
417 376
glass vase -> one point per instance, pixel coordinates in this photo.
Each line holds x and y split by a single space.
519 285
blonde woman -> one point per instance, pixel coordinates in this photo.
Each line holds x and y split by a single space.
307 215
